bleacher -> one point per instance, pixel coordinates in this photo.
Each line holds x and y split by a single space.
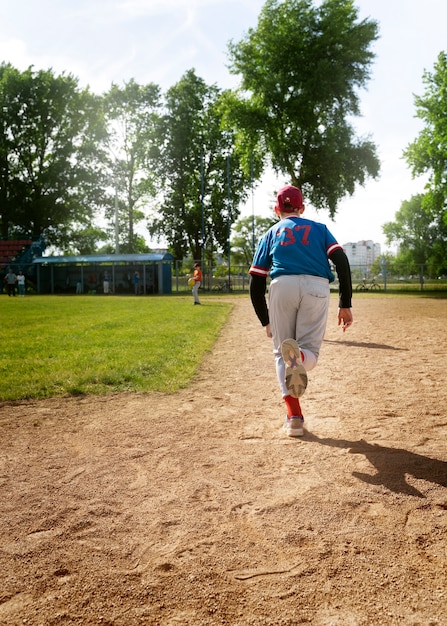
11 250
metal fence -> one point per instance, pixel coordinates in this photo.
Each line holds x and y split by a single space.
396 278
220 279
215 279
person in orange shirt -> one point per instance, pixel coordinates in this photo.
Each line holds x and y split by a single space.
197 276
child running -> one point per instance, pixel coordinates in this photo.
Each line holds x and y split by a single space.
295 253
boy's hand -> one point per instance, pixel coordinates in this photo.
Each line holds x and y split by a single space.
345 318
268 331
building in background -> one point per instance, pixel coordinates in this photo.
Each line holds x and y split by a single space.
362 254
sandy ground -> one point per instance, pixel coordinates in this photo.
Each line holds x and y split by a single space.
196 509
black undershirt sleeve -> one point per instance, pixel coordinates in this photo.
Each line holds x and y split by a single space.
341 262
258 287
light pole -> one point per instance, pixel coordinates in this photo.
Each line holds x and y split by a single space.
252 207
202 202
117 226
229 219
4 169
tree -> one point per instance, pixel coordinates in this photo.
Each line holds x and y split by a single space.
51 134
384 265
246 235
200 169
428 153
420 226
132 115
421 238
300 70
85 241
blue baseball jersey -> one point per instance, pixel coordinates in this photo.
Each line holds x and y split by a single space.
295 246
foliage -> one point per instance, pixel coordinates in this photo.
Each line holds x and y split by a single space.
132 115
67 156
410 228
85 241
51 134
114 344
420 226
300 71
386 260
428 153
200 170
139 246
246 235
421 237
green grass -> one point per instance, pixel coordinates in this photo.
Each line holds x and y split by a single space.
74 345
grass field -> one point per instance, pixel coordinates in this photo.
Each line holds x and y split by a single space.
73 345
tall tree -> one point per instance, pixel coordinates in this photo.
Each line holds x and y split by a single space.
427 154
200 168
420 226
132 113
51 134
300 71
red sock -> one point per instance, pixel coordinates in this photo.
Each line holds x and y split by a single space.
293 407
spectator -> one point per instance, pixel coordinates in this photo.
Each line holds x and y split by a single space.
21 283
11 280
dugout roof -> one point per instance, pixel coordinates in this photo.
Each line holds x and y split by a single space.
90 259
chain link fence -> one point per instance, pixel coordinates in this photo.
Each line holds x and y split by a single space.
221 279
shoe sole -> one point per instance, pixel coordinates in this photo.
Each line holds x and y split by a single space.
294 432
296 376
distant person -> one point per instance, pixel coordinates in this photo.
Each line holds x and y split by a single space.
11 280
136 283
295 253
79 287
21 284
106 282
197 277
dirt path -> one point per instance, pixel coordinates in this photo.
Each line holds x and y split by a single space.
194 509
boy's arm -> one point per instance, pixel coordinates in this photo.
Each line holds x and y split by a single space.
258 287
341 262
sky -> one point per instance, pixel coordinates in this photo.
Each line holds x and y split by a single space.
156 41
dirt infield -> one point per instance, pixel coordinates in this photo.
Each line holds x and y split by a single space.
194 509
